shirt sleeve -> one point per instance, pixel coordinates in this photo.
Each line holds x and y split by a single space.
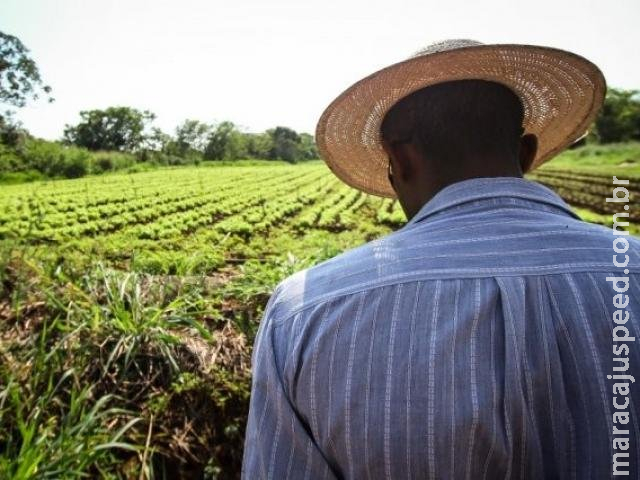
278 443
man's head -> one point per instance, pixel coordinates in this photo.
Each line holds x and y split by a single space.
453 131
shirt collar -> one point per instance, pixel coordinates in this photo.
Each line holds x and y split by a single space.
473 189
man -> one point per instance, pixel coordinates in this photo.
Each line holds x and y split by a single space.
477 341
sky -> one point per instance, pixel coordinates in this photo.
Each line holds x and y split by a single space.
262 63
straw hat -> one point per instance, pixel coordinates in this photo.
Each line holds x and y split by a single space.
561 93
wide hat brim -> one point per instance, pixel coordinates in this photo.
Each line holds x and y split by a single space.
561 93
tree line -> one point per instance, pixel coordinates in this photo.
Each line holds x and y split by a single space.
124 137
126 129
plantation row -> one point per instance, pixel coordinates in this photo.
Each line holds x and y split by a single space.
244 201
235 200
588 190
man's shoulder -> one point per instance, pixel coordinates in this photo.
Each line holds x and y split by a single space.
455 250
349 271
383 261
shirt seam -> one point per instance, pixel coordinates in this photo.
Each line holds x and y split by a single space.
394 281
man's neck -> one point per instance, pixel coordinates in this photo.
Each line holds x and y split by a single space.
434 184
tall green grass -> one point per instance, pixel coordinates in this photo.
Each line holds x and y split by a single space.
623 158
119 375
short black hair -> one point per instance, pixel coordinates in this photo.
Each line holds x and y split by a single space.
458 120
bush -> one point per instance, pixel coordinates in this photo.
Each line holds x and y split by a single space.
53 159
75 164
161 158
107 161
103 164
619 118
9 178
9 160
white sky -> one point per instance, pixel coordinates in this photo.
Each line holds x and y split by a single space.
267 63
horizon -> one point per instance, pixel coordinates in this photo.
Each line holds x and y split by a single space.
276 63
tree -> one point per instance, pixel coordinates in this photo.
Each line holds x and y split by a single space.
12 132
286 144
116 128
619 118
308 149
258 145
157 140
191 137
226 142
19 75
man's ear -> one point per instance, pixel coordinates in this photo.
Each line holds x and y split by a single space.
404 156
528 150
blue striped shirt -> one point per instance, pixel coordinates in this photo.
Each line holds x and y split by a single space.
472 343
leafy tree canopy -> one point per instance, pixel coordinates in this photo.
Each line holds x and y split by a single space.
225 143
286 144
619 118
19 75
116 128
191 135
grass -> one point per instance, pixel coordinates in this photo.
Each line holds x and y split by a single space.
94 367
623 158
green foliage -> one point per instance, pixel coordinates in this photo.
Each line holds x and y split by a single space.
14 178
602 159
259 145
116 128
286 144
53 159
102 162
176 263
619 118
225 142
12 133
308 149
10 160
19 75
157 140
122 138
125 381
191 138
52 424
34 159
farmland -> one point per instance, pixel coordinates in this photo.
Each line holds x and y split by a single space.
129 302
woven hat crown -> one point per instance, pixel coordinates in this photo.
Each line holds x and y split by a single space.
445 45
561 93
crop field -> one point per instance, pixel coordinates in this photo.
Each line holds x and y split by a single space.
129 303
244 201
